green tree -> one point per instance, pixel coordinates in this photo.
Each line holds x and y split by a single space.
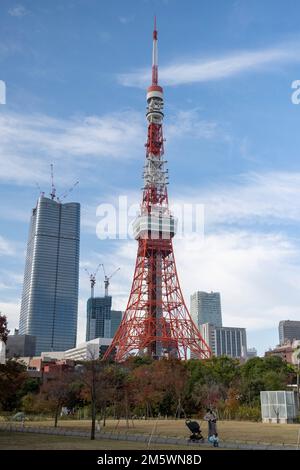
12 378
4 331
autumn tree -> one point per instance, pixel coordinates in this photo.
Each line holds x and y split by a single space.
12 378
4 331
57 392
92 376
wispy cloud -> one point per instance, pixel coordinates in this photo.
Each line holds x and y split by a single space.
247 268
33 140
126 19
7 248
18 11
254 197
189 123
202 69
12 311
26 141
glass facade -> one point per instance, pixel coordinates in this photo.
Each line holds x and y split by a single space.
50 291
289 330
98 323
230 341
206 308
226 340
116 317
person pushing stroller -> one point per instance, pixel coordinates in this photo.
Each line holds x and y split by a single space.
211 419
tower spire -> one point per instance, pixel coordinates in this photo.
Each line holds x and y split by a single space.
154 56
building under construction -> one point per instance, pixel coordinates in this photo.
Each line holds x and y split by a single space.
102 321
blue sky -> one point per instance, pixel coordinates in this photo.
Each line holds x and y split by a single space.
76 73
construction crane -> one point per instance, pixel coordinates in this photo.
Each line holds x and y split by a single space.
107 279
92 277
53 188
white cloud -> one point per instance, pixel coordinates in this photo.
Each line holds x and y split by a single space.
203 69
256 272
257 275
30 141
254 197
188 123
126 19
12 311
7 248
18 11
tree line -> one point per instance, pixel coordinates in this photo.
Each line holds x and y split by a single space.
143 388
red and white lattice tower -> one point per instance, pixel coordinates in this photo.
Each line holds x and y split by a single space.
156 321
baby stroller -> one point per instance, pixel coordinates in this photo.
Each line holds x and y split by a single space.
194 427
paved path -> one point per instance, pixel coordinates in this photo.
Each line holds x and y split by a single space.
248 445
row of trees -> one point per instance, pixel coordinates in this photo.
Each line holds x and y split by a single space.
142 387
145 388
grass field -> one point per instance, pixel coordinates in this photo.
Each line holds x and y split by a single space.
27 441
228 430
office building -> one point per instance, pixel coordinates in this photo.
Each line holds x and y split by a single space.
20 345
89 350
98 318
116 318
228 341
50 290
288 331
206 308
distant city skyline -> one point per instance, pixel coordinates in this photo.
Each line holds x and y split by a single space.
75 96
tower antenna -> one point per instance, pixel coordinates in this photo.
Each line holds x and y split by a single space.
154 56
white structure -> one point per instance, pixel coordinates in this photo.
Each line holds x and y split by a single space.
2 352
251 352
225 340
278 406
58 355
88 350
206 308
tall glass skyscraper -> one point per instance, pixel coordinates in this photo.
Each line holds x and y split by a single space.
206 308
50 291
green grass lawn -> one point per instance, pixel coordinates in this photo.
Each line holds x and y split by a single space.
228 430
27 441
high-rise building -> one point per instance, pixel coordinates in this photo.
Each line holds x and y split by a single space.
116 317
20 346
98 318
228 341
206 308
289 330
50 290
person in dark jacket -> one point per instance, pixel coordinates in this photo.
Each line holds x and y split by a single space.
211 419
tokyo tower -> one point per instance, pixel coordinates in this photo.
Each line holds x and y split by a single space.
156 322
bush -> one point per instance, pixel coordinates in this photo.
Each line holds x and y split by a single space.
248 413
